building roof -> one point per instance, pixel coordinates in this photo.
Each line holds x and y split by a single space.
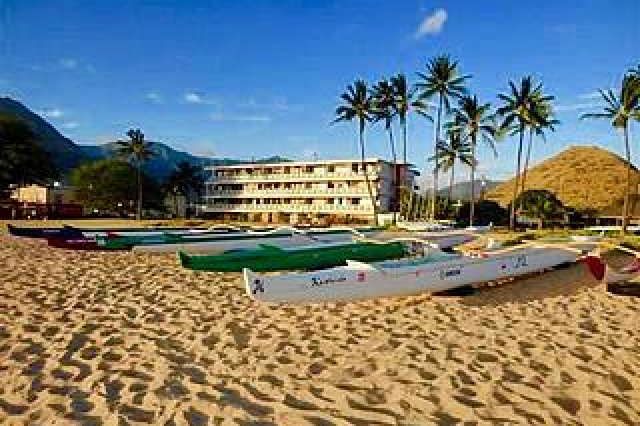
303 163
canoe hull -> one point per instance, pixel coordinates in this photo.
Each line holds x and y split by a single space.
359 281
80 243
246 242
64 232
311 258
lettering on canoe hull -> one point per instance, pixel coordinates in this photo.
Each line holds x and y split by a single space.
318 282
448 273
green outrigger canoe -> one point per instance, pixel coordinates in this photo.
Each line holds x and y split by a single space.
127 242
271 258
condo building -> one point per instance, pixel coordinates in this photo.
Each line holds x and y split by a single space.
319 191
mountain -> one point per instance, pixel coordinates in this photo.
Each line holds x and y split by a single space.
67 155
166 158
582 177
462 190
64 152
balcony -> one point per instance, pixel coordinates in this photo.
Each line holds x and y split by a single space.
289 208
288 192
285 177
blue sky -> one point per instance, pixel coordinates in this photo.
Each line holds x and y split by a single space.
255 78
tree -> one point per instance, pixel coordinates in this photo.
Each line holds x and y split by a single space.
357 105
441 80
540 204
185 180
517 109
139 150
107 185
475 121
405 102
486 212
455 148
384 110
22 160
619 109
545 112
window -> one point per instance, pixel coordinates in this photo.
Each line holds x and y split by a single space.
331 168
287 170
355 201
330 185
307 185
354 167
309 169
330 201
308 201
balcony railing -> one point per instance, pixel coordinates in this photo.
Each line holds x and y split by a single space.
285 192
288 176
303 208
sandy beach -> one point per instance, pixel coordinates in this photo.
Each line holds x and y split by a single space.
123 338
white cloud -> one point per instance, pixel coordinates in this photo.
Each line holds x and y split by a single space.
245 118
578 106
278 103
432 24
154 97
70 125
192 98
68 63
590 95
52 113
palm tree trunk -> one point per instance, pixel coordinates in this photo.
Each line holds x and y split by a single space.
403 122
526 162
472 200
175 204
435 170
627 195
366 176
394 181
451 179
139 178
512 219
404 140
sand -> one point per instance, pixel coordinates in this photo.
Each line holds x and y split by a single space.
123 338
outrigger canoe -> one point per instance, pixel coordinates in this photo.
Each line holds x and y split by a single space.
74 232
271 258
283 237
437 271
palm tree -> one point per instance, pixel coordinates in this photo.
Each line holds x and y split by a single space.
384 110
635 72
517 109
184 180
475 121
454 148
538 128
619 109
139 150
442 80
357 105
404 103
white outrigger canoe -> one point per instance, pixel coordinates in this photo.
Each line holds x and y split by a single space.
437 271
